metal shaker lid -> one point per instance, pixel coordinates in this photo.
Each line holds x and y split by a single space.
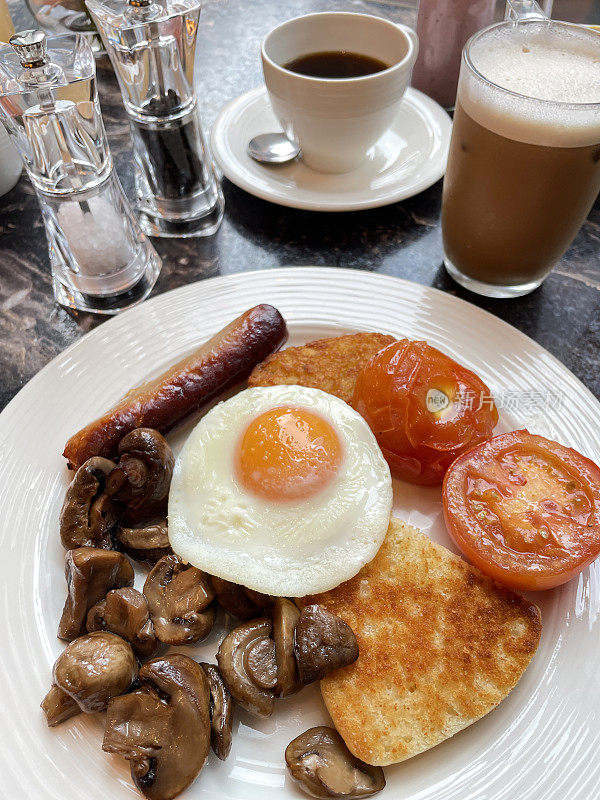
125 14
31 47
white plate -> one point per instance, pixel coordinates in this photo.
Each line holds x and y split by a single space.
540 744
408 159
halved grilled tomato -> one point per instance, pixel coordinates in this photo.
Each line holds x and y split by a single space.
424 408
524 509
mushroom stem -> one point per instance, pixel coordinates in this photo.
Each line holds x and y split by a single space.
58 707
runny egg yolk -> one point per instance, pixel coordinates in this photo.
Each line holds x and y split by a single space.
288 453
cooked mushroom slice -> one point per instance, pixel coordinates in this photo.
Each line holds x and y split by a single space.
162 728
259 599
90 574
323 643
260 664
148 544
124 612
221 712
94 668
324 767
235 600
145 468
88 514
232 661
58 707
145 515
179 598
285 616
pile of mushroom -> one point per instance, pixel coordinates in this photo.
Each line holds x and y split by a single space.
122 504
165 715
276 656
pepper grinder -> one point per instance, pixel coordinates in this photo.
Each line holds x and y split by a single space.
152 47
101 261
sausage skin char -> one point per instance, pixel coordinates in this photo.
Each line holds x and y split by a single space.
227 358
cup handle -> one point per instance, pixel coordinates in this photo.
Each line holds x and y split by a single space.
412 35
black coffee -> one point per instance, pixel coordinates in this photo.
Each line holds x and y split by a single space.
335 64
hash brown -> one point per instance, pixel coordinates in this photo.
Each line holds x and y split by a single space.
331 365
440 646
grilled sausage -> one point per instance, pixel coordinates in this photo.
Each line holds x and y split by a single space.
220 363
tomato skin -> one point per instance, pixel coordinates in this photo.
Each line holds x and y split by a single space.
392 394
525 510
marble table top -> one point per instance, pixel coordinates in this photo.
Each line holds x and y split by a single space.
402 239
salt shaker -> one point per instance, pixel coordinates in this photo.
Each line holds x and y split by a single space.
101 261
152 47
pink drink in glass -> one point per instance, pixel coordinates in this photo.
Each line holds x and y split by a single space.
443 27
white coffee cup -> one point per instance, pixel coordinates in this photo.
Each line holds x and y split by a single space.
337 121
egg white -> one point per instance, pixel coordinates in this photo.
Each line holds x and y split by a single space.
280 548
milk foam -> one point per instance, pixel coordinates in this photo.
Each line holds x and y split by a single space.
538 62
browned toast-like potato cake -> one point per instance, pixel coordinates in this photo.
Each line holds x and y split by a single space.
440 645
328 364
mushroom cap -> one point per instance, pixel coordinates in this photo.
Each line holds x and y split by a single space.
324 767
233 663
94 668
145 468
90 574
222 707
124 612
147 544
285 616
163 727
88 515
179 600
322 643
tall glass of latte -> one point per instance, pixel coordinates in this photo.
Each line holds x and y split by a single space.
524 164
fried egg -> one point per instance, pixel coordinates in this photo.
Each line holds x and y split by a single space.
282 489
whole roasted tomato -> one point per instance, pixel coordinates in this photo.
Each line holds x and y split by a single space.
524 509
424 409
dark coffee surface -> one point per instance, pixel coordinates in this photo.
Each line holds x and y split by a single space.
336 64
403 239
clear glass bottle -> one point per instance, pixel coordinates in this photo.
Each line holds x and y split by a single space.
101 261
66 16
10 163
152 48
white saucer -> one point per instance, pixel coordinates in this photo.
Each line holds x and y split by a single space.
407 159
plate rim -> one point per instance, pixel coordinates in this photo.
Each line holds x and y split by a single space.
219 129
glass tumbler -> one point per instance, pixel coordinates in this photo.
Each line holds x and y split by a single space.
524 167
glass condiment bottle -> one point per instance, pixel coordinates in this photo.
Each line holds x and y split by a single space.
101 261
10 163
152 47
65 16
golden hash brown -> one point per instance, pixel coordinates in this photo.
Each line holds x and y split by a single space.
332 364
440 646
